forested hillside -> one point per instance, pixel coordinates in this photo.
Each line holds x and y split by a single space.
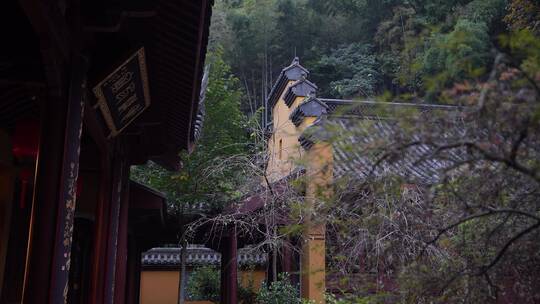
366 48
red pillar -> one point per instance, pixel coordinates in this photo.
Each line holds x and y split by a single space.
97 279
103 278
287 258
68 186
54 202
45 204
229 268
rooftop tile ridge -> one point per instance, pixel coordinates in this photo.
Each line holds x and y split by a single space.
389 103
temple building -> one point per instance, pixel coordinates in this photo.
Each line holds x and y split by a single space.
325 140
88 89
301 143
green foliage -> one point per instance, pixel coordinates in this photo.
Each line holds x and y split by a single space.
356 67
378 298
437 11
525 46
224 134
523 14
484 11
409 47
247 294
224 128
460 53
279 292
203 284
402 37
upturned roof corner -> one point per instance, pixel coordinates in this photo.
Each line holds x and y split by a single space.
310 107
301 88
294 71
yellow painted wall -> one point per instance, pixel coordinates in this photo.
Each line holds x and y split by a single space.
284 130
161 287
256 276
319 170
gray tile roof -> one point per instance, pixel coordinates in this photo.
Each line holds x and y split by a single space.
293 72
355 157
198 255
311 106
379 109
300 88
357 128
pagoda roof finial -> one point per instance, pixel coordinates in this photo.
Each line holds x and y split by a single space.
295 61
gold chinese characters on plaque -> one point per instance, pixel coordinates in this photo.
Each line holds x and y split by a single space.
124 94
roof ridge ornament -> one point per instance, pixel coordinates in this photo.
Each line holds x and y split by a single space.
295 61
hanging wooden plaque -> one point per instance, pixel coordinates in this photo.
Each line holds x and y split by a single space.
123 95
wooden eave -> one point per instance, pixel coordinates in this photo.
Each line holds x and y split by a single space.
174 35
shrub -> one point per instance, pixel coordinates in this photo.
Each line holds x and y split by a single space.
203 284
279 292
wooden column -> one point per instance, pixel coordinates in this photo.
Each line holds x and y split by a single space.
54 202
101 226
122 252
229 268
287 258
114 178
225 256
68 184
44 205
119 180
7 178
133 272
319 172
137 277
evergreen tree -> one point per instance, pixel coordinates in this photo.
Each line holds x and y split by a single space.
224 134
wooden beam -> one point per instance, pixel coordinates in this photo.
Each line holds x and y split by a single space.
52 31
95 129
49 23
198 60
